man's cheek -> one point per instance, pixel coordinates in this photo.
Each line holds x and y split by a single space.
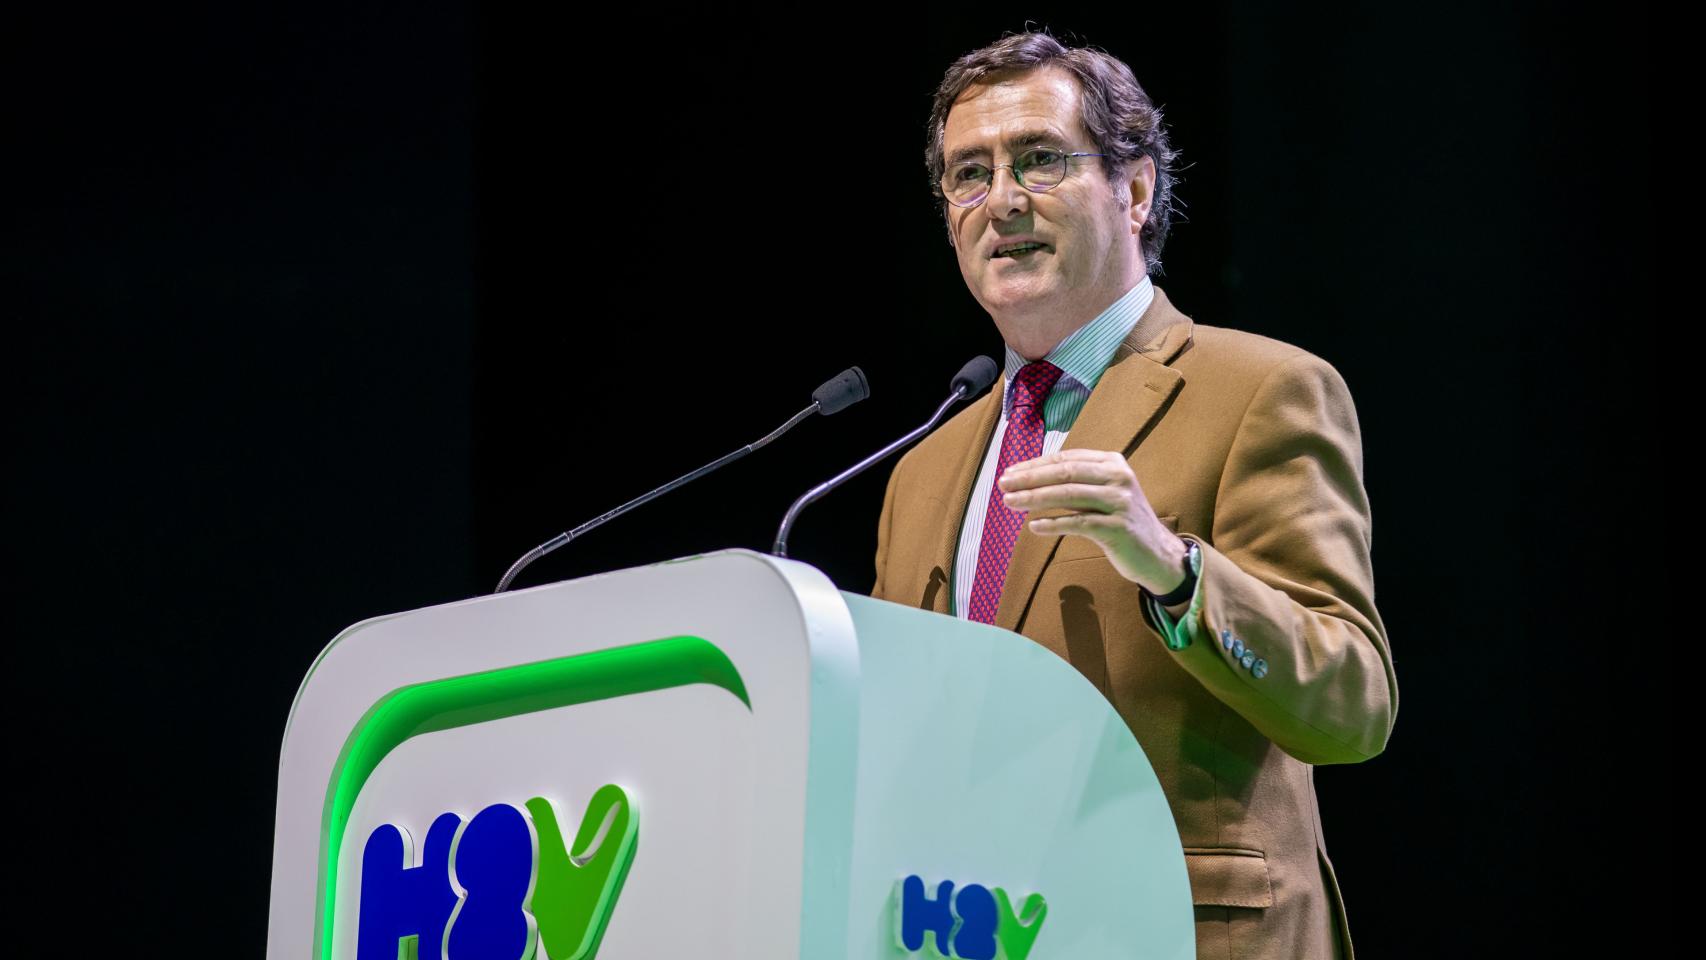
968 273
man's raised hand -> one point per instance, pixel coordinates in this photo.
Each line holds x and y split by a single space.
1098 497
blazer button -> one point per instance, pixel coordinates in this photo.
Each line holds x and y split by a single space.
1248 659
1259 669
1237 648
1226 639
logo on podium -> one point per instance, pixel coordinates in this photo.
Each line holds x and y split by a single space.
497 885
971 923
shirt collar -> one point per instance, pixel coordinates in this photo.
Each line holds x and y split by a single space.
1085 352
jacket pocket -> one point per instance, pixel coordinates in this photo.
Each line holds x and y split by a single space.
1228 877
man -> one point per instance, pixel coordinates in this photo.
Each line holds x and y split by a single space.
1174 508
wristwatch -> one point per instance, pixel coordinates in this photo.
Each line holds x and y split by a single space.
1193 567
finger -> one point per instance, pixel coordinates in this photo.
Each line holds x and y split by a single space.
1066 496
1063 456
1099 527
1021 477
1073 453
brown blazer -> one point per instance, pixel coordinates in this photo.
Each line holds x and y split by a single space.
1250 447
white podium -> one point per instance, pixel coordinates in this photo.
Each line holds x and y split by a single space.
720 757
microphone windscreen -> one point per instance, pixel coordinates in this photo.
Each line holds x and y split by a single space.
841 391
977 374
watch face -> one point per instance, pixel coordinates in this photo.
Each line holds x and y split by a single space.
1193 557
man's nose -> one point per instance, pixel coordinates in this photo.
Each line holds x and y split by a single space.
1007 197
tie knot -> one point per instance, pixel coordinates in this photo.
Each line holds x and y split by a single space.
1033 383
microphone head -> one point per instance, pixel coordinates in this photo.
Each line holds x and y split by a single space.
841 391
977 374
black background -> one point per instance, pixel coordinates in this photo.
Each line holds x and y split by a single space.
320 312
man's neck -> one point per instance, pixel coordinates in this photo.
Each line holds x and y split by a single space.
1033 348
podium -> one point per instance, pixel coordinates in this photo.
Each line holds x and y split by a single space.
717 757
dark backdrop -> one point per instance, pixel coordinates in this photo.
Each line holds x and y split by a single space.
326 311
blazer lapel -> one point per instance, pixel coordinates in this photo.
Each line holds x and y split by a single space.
964 449
1131 395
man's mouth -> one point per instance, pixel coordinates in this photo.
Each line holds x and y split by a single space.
1018 250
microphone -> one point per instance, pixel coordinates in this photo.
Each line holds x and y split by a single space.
978 373
835 395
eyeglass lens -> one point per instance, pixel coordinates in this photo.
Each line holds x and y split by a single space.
1037 169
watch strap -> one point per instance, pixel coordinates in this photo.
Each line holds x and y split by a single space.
1184 591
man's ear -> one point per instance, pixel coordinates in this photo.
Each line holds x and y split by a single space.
1142 192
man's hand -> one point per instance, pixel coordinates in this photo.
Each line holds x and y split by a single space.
1101 500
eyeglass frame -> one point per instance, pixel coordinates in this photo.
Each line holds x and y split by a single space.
1017 177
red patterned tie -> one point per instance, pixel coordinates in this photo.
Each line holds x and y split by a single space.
1022 441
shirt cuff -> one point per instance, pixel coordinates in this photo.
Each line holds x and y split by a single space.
1179 635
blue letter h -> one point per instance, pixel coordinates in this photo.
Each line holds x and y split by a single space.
919 913
398 900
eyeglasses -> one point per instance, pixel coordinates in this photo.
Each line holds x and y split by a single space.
1038 170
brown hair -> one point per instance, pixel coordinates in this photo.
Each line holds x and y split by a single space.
1124 123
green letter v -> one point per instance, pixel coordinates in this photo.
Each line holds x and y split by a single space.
1016 939
578 886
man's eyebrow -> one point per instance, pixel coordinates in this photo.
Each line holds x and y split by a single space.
1029 138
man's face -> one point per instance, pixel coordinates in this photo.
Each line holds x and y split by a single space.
1088 229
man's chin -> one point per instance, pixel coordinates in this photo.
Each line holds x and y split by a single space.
1022 299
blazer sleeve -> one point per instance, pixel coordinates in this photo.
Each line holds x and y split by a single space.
1288 634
